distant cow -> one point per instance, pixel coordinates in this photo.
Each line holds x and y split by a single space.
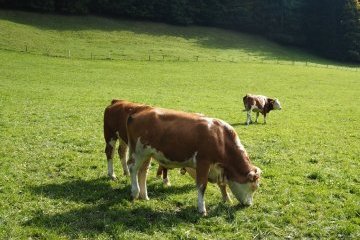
259 104
115 117
178 140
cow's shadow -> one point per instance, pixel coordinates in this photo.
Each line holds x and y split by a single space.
96 207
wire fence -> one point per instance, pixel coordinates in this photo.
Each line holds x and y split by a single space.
113 56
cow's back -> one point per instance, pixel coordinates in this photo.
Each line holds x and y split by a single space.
178 135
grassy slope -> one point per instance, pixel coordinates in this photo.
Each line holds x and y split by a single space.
83 36
53 168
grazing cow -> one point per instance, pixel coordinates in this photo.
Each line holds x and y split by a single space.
115 117
259 104
178 140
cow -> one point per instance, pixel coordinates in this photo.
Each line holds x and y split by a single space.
115 117
259 104
186 140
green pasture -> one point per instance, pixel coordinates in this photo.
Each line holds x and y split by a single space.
53 181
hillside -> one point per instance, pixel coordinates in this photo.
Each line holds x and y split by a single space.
102 38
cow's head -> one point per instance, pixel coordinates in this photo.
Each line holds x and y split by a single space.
276 104
244 191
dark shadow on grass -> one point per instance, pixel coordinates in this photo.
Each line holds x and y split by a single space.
91 221
226 210
107 209
100 189
206 37
238 124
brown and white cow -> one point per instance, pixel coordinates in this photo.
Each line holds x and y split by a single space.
259 104
178 140
115 117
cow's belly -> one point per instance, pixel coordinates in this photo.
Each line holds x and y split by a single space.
168 163
256 109
216 173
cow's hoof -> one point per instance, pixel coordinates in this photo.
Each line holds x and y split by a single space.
203 214
112 177
134 196
183 171
146 198
166 182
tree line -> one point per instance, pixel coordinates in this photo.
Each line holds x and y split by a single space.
328 27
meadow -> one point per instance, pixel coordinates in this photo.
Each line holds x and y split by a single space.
53 181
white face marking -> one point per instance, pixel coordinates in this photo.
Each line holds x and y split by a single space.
277 105
243 191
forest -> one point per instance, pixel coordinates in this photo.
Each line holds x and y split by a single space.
330 28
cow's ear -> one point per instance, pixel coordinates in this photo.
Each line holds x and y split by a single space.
271 100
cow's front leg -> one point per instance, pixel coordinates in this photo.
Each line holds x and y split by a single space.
142 180
224 193
123 151
109 151
202 173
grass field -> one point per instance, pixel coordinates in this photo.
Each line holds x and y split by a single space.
53 183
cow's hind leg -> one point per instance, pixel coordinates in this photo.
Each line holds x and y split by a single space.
201 183
142 179
248 117
123 151
264 118
257 116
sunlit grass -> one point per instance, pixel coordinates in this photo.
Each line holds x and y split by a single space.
53 182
